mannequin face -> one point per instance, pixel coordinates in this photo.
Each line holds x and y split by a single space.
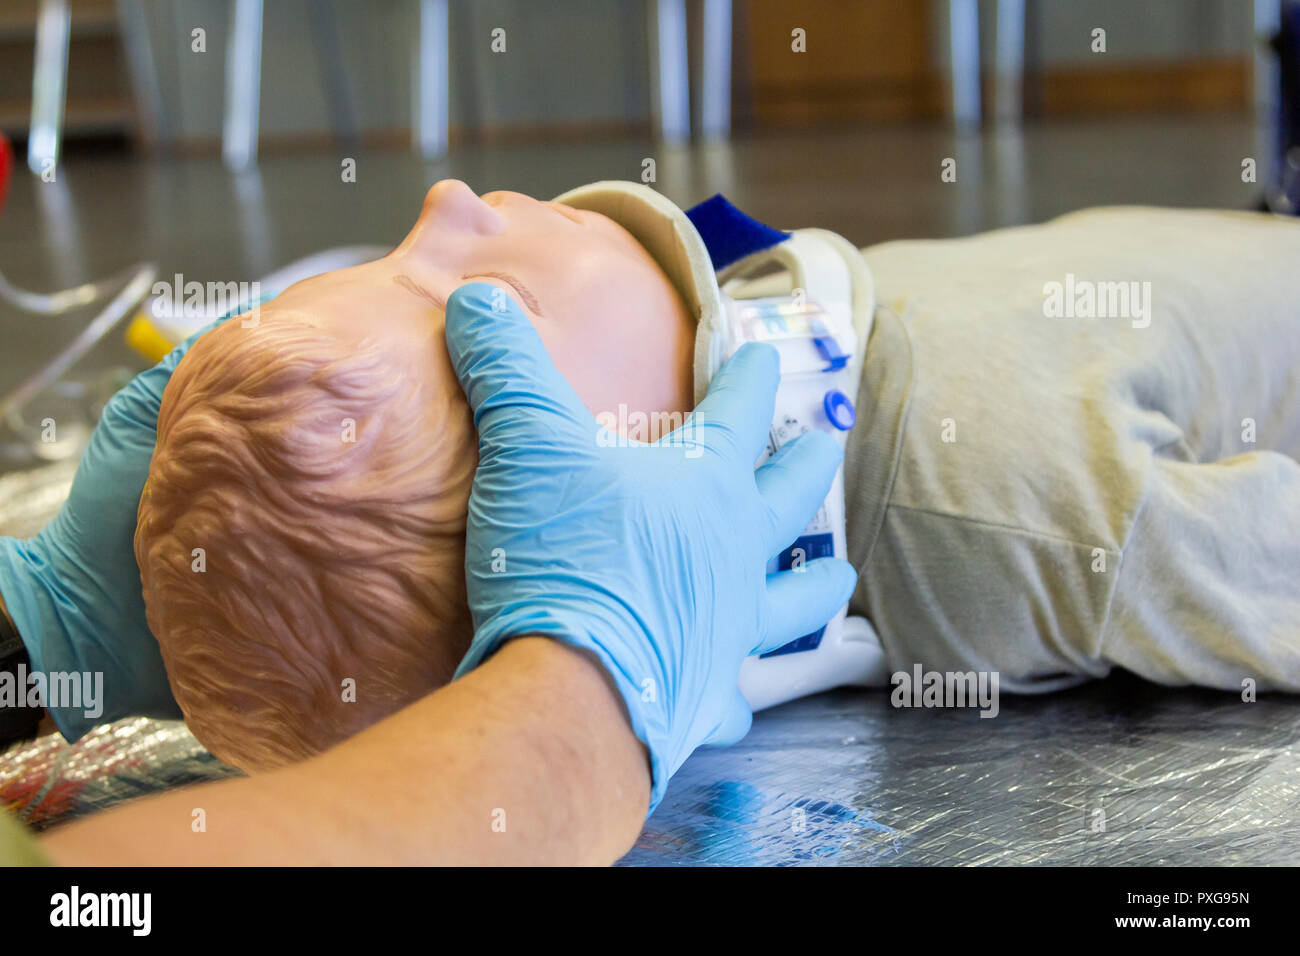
609 317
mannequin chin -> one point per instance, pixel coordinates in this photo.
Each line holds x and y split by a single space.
301 534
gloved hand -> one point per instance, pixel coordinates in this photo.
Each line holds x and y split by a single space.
653 557
74 591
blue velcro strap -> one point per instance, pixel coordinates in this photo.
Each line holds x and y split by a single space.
728 233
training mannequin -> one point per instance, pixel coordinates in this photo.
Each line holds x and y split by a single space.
1041 493
301 535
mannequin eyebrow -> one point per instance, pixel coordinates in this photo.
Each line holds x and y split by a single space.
530 300
413 287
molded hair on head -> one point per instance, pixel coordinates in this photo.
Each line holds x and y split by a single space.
302 527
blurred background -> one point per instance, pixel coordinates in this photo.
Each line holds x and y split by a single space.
222 139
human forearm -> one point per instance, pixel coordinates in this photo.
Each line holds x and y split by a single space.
529 759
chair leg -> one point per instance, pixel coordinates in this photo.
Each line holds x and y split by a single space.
243 85
150 108
670 91
429 118
334 75
49 85
1010 64
715 70
964 49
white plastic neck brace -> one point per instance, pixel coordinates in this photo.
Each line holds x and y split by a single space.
812 297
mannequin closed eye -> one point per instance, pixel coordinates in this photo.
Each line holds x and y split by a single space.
529 300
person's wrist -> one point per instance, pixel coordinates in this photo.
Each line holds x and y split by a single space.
603 642
584 664
579 673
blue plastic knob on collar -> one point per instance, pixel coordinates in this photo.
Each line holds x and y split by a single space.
839 409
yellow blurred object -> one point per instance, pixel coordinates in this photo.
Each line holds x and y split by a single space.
147 339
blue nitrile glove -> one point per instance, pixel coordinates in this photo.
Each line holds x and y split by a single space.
74 590
653 557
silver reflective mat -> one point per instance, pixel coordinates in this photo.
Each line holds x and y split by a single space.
47 781
1120 772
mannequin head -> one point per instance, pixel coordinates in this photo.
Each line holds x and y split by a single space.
301 534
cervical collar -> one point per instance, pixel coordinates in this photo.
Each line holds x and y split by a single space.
810 294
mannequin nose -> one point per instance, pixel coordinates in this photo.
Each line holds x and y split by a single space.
452 204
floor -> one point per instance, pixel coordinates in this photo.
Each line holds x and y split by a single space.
1118 772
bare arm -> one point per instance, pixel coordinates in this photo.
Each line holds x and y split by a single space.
528 759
